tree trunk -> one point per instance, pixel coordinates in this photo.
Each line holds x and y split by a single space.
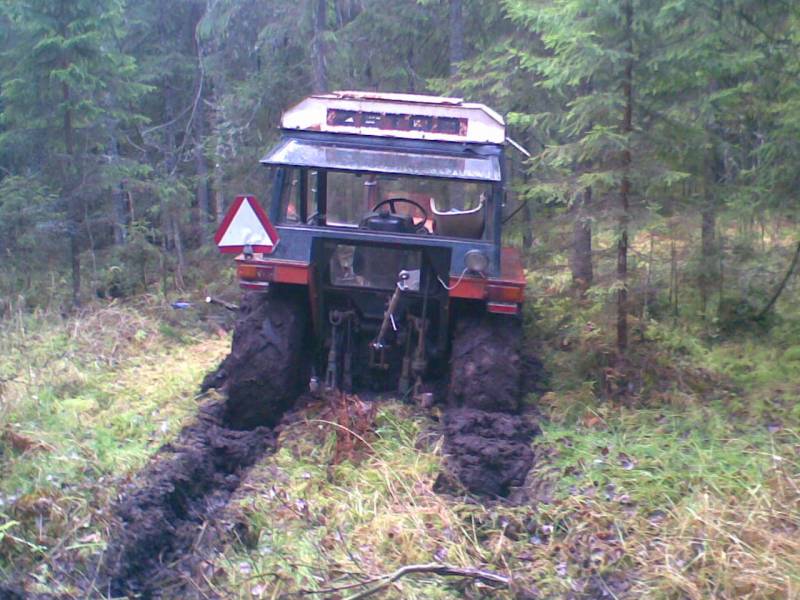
318 46
581 256
118 199
625 188
201 172
708 262
119 213
74 211
527 218
202 212
456 35
178 241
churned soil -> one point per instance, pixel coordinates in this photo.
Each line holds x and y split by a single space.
488 452
170 513
166 516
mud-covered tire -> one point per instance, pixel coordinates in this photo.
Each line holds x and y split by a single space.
485 364
267 367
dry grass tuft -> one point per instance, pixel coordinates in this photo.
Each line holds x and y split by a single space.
747 547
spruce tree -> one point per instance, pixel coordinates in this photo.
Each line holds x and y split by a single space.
67 80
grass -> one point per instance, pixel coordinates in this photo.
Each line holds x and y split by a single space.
688 488
85 401
313 525
667 502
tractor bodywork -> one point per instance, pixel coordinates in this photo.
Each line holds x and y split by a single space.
388 210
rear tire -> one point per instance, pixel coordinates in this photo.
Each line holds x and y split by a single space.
485 364
268 364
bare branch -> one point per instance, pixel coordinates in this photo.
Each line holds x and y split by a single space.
383 581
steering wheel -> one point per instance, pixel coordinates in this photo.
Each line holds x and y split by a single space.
390 201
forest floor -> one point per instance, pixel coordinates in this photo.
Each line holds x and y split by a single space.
678 476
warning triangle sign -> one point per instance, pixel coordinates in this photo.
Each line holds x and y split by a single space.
246 224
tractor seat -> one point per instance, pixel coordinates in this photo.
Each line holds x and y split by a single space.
460 223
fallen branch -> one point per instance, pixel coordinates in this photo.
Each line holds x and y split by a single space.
384 581
231 307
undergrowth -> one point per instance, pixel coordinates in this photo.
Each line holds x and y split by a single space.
674 478
84 402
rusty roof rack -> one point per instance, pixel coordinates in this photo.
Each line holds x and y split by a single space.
409 116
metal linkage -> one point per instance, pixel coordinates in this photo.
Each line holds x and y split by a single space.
339 318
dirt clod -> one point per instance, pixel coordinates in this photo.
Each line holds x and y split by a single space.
489 452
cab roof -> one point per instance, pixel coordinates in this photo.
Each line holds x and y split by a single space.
405 116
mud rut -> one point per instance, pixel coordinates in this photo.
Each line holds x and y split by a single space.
170 517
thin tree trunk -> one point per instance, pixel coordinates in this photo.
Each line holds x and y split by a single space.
708 261
118 199
201 168
90 237
73 199
216 119
714 174
648 281
318 46
721 267
782 285
625 188
581 256
119 214
456 35
527 218
202 214
178 241
674 278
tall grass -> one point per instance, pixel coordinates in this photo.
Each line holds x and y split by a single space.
84 402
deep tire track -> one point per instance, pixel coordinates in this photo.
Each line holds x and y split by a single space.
166 517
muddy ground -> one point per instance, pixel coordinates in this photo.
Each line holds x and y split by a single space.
167 516
170 517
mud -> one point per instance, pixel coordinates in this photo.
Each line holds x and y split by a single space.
267 367
489 453
166 516
487 439
486 364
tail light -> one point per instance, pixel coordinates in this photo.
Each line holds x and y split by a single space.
505 293
250 272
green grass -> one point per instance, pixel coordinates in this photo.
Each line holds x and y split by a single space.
85 402
313 525
686 489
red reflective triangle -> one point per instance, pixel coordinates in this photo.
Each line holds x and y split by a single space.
246 224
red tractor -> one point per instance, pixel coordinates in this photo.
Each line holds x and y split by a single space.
378 264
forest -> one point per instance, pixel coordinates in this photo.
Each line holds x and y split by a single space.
654 168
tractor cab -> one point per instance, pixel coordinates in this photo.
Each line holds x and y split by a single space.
387 214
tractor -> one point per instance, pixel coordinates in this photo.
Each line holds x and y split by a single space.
377 264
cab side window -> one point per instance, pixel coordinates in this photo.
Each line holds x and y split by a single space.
290 212
296 196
